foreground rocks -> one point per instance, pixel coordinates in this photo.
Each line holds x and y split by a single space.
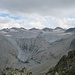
66 65
11 71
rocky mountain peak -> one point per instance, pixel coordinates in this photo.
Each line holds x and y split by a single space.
47 29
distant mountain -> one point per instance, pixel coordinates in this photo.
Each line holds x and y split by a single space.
15 28
70 30
5 30
23 28
12 29
33 29
47 29
59 28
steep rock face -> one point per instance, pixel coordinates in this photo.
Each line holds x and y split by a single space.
66 65
34 49
7 53
72 45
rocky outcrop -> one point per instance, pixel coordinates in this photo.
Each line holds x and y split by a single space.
66 65
72 45
12 71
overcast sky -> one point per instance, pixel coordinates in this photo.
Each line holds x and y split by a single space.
37 13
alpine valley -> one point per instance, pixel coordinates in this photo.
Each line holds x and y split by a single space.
44 51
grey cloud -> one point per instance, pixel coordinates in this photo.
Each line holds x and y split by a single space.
44 7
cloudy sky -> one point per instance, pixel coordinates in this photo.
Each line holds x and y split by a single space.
37 13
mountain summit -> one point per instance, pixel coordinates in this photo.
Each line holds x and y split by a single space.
47 29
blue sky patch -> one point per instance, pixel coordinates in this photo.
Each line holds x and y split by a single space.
10 16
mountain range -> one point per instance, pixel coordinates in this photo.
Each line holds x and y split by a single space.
35 49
